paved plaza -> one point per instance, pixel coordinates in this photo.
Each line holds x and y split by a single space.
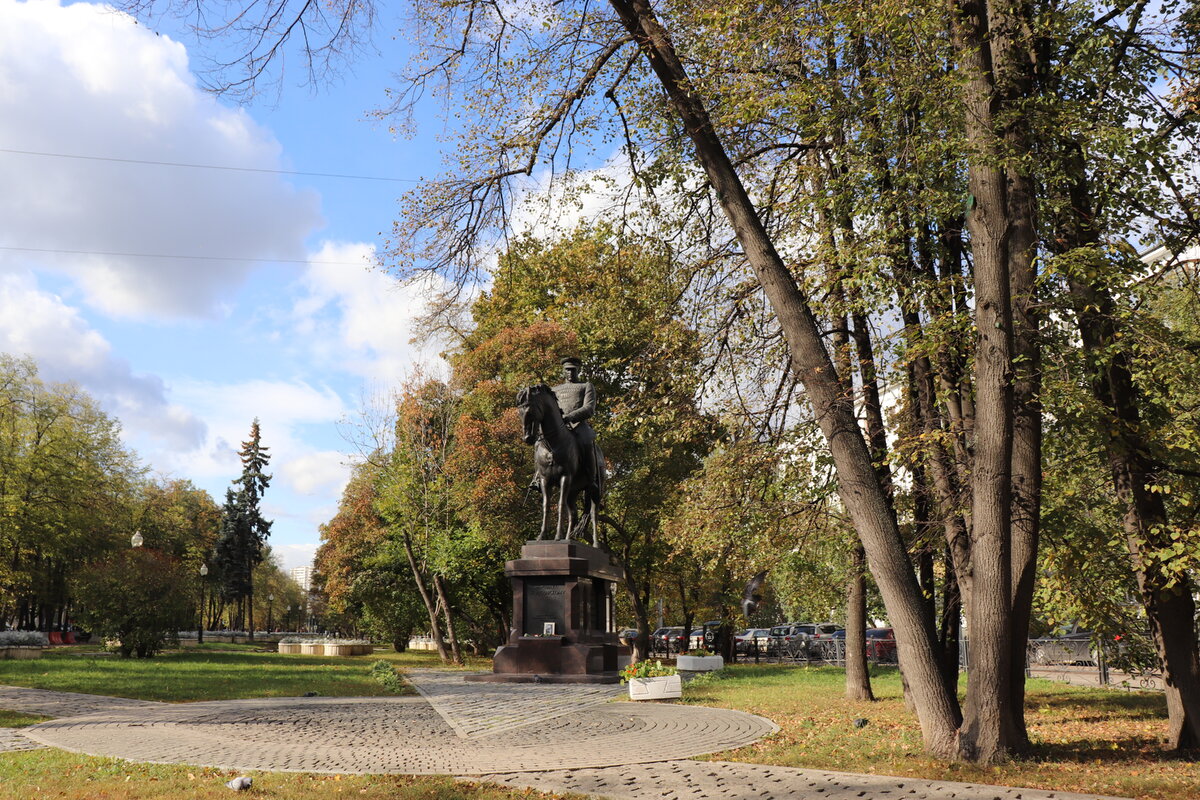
558 738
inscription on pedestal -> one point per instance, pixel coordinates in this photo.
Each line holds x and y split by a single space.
543 603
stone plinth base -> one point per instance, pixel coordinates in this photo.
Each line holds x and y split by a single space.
562 616
514 677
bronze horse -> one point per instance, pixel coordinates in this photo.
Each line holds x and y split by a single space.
559 463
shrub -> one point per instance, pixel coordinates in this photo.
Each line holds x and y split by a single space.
383 672
136 597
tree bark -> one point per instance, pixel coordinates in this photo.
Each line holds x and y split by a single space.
858 674
435 627
1170 611
859 488
444 601
1001 236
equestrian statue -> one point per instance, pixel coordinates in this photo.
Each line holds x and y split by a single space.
566 455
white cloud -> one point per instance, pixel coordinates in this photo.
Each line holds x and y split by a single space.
280 406
86 80
317 473
360 318
39 324
295 555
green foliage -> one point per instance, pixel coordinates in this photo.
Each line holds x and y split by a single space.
244 531
136 596
385 674
646 669
68 488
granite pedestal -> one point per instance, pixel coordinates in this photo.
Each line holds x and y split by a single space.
563 630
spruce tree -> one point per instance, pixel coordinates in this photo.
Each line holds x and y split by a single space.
244 532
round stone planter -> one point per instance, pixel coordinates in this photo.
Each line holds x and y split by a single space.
664 688
20 652
312 649
339 649
699 663
289 648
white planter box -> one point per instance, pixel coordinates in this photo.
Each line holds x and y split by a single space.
20 652
699 663
289 648
663 688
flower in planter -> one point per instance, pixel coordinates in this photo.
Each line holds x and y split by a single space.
646 669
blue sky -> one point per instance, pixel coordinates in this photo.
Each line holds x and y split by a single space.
290 325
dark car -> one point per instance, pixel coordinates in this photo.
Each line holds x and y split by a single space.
658 640
881 644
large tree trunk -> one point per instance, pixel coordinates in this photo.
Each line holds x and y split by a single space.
1000 222
1170 611
1027 444
859 488
858 675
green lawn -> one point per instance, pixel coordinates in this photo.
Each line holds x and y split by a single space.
15 719
1086 740
66 776
188 675
214 672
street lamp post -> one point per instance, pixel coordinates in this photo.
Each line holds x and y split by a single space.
137 539
203 575
288 616
270 600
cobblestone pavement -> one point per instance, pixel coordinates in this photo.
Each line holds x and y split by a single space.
725 780
64 704
475 710
53 704
551 738
395 735
12 740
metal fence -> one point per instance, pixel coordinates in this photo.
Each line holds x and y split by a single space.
1076 661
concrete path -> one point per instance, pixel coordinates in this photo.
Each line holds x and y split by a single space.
477 710
64 704
452 736
726 780
555 738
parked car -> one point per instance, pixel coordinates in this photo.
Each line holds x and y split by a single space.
678 641
881 644
775 639
817 643
1074 649
796 641
658 640
627 635
746 641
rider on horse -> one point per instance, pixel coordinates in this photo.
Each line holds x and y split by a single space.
577 399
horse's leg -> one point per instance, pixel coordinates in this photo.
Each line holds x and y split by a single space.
564 489
592 515
572 515
544 484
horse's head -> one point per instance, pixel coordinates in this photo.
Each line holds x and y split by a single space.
530 401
